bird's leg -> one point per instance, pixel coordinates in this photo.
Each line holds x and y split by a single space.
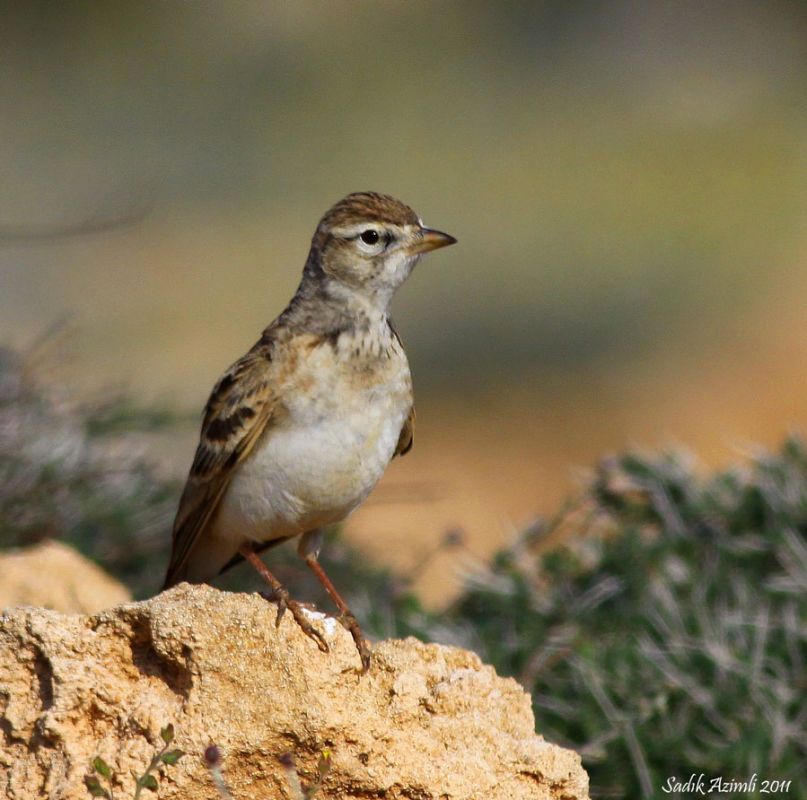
309 548
284 600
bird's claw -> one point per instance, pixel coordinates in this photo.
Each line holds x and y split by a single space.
306 627
284 603
352 625
281 610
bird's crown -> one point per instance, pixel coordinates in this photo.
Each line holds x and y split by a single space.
368 207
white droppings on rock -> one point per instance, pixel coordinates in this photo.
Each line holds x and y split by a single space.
328 622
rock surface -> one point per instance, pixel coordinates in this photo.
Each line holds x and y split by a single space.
55 576
426 723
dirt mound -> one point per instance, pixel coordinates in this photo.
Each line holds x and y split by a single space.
426 722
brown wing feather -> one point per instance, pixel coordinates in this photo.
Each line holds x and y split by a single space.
407 437
236 416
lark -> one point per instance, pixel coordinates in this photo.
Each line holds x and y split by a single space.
298 431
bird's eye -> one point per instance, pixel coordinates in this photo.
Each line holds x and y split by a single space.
369 236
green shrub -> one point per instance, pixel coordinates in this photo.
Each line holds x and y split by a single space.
81 473
667 636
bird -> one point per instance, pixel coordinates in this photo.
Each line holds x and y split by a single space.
298 431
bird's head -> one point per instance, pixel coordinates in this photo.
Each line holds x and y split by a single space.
368 243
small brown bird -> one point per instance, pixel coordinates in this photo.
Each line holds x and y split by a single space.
298 431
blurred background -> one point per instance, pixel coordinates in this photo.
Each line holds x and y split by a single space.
627 181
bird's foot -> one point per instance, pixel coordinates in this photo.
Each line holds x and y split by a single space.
271 597
362 646
284 601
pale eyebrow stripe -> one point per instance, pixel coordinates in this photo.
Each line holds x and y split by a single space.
354 230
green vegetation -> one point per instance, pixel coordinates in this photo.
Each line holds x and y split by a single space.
81 474
103 774
665 636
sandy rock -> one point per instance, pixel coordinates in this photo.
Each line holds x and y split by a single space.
53 575
426 723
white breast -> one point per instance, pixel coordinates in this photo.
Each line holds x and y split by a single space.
325 456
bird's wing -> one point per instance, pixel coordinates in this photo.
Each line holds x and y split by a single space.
238 413
407 436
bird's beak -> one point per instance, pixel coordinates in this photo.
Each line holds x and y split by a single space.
430 240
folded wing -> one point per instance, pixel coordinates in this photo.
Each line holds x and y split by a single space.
237 415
